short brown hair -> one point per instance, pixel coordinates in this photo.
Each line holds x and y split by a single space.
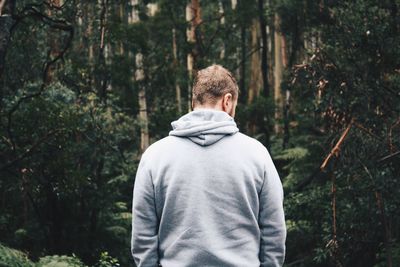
213 82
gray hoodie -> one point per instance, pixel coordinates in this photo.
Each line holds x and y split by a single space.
207 195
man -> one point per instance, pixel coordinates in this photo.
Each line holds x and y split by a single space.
207 195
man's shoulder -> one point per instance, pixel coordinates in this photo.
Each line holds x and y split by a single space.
161 145
250 142
241 139
168 144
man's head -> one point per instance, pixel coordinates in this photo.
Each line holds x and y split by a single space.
214 87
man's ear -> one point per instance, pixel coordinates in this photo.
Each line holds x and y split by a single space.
227 102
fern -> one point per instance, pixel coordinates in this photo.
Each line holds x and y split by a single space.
294 153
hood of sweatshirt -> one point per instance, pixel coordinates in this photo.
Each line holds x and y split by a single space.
204 126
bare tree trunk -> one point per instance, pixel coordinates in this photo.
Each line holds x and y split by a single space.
270 46
176 65
193 17
143 116
152 9
138 79
190 39
278 71
286 106
121 15
258 120
233 4
101 76
255 75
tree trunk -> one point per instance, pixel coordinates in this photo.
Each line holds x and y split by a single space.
286 106
221 13
90 14
270 46
193 17
297 43
101 80
175 67
258 120
264 48
53 43
242 82
6 22
121 15
255 75
138 79
233 4
278 71
87 22
143 116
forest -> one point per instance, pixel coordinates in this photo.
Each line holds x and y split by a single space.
87 86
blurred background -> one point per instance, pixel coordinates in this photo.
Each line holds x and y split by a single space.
87 86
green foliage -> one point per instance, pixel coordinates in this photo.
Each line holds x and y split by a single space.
82 166
347 77
13 258
295 153
382 256
59 261
107 261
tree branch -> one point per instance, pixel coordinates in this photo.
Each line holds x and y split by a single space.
385 158
31 149
336 148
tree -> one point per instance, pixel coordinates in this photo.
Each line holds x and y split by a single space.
86 86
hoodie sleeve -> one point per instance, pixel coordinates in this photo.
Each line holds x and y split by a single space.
144 242
271 218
